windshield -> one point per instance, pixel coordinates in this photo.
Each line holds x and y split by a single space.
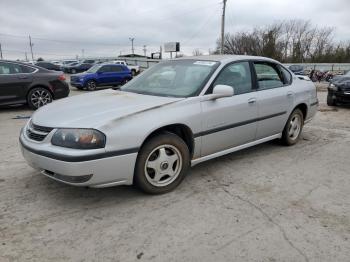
94 69
177 78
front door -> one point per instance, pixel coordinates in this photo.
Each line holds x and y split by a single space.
231 121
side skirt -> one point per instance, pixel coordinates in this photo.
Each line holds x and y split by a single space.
234 149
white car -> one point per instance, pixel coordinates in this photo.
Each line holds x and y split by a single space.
176 114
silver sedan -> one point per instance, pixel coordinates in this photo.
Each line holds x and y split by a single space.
175 115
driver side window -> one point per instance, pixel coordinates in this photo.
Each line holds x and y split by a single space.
236 75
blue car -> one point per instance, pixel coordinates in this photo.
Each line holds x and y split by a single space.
101 75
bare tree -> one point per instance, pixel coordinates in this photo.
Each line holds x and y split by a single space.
197 52
287 41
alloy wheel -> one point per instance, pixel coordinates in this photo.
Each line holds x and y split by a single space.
163 165
40 98
294 127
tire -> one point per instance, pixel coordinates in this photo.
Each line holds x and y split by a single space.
38 97
124 81
162 164
133 72
91 85
330 100
293 128
73 71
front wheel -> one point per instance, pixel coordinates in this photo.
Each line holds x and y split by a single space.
292 130
330 100
38 97
162 164
91 85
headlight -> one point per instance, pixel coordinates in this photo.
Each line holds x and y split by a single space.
333 87
79 138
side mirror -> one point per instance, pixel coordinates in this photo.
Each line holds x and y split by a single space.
220 91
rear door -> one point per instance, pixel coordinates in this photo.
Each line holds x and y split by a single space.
14 82
275 98
230 121
119 74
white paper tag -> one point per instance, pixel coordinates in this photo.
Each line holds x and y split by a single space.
206 63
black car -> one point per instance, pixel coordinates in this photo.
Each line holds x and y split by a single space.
297 69
48 65
78 68
339 91
22 83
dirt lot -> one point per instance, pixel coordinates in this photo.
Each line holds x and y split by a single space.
267 203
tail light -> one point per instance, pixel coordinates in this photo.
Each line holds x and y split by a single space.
62 78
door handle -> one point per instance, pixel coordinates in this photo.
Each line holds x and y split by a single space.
290 93
22 77
251 100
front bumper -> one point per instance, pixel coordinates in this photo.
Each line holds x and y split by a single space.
99 172
77 84
340 96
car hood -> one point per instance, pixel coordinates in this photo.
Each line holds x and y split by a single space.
96 109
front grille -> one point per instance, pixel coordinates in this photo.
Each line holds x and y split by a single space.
38 133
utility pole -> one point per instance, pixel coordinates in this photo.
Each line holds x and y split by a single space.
25 53
0 52
31 47
144 50
132 44
82 53
223 26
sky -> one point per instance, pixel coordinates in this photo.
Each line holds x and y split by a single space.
69 28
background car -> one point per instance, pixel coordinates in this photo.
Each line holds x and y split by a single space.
48 65
22 83
339 91
77 68
297 69
101 75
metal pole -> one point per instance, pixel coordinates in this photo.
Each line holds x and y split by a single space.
0 52
31 47
223 27
132 44
144 50
26 56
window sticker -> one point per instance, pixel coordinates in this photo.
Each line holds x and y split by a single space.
205 63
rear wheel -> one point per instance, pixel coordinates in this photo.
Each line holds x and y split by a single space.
91 85
292 130
161 164
330 100
38 97
133 72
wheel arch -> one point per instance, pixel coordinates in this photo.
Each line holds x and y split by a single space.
303 108
181 130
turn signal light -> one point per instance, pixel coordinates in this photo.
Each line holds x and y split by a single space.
62 78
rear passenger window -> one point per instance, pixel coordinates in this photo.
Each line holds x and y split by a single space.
236 75
9 68
27 69
268 76
117 69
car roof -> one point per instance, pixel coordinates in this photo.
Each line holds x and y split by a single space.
226 58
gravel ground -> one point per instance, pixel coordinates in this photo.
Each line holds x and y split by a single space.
267 203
